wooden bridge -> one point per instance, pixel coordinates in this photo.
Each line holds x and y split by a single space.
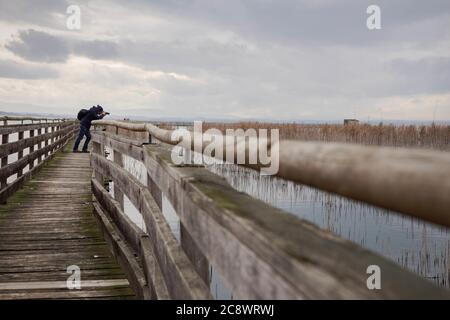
53 197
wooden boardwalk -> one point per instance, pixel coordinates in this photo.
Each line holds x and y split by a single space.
60 215
48 226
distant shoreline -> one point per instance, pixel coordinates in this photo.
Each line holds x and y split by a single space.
235 120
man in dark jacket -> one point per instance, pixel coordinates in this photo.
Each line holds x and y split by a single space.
95 113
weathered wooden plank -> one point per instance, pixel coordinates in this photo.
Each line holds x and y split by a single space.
152 270
118 194
181 279
19 145
46 227
95 274
14 167
98 293
98 149
195 254
38 285
20 155
130 147
13 187
4 162
22 118
123 254
8 129
133 235
128 228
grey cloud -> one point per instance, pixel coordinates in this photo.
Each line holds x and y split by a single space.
39 46
96 49
13 70
309 21
281 58
39 12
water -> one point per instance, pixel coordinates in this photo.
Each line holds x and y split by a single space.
421 247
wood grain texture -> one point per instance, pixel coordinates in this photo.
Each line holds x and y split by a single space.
47 226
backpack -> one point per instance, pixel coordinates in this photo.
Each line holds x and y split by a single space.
82 113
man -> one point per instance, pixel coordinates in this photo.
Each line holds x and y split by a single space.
94 113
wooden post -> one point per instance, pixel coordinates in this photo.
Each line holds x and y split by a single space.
46 141
20 155
198 259
39 145
4 161
118 194
31 149
54 138
155 191
98 150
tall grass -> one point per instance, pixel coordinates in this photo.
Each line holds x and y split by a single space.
419 136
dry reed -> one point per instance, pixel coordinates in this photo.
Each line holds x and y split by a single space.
412 136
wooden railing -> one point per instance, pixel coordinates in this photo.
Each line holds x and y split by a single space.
46 136
260 252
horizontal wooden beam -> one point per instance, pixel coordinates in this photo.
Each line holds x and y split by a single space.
181 279
128 228
19 118
14 167
9 129
136 238
123 254
129 147
16 184
19 145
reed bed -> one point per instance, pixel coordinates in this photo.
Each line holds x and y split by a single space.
431 136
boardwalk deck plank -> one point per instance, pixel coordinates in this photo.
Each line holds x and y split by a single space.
47 226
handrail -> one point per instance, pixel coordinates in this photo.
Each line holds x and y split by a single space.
289 258
24 118
404 180
39 148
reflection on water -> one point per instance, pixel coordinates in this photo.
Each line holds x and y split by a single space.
419 246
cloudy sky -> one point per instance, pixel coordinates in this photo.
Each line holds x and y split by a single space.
275 59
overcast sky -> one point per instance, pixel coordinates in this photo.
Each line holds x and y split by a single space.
280 59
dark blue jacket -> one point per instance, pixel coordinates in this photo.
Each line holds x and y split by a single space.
93 114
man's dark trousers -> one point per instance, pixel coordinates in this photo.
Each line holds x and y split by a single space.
83 132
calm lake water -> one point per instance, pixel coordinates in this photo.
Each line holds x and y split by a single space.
421 247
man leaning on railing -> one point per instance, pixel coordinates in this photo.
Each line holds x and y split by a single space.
86 117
